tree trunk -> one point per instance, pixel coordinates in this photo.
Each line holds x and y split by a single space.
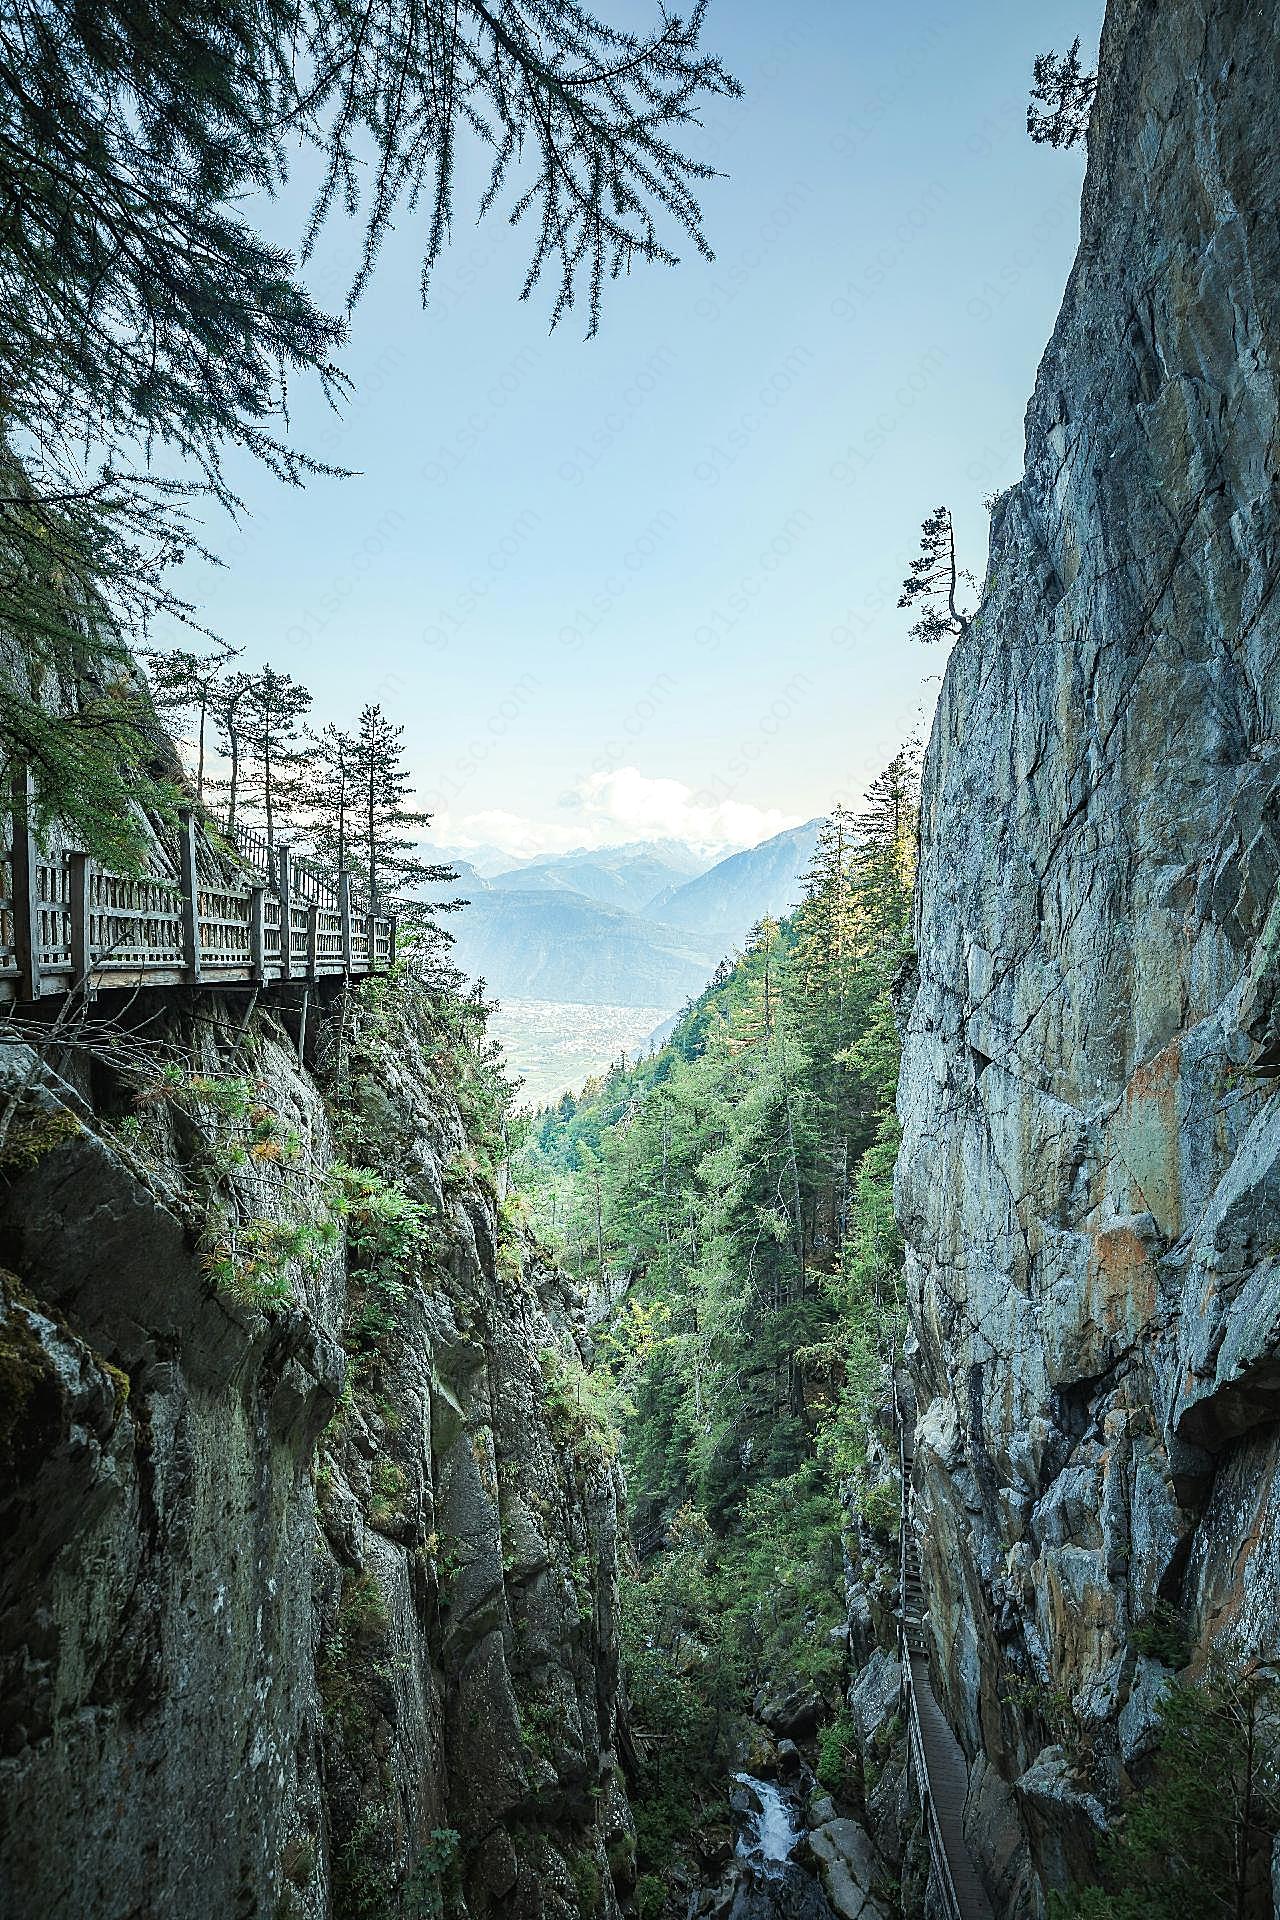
373 839
204 709
266 782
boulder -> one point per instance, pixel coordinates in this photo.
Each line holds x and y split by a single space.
794 1715
849 1869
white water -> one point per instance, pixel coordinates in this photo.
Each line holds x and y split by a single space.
770 1835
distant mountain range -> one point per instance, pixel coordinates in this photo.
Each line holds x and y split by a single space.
632 926
594 950
551 944
626 877
722 905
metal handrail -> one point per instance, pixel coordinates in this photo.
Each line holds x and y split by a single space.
938 1855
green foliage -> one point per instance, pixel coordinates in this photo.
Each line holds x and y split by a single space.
933 581
432 1883
838 1763
390 1485
735 1194
880 1505
684 1683
386 1226
577 1406
364 1873
385 828
345 1668
587 1883
1163 1637
254 1261
150 328
1197 1838
1061 98
76 714
650 1899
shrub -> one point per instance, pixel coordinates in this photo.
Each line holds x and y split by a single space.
837 1767
650 1897
1163 1637
432 1883
1197 1839
587 1883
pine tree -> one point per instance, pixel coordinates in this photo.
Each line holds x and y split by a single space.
186 683
229 707
826 962
382 788
275 748
149 327
1061 98
933 580
334 796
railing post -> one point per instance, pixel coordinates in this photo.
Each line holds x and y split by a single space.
313 939
371 931
78 890
26 887
257 933
284 887
190 895
344 916
394 929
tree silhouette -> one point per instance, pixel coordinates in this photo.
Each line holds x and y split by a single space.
184 682
382 788
334 796
933 581
276 755
1061 98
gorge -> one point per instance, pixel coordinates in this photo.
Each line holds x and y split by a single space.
824 1467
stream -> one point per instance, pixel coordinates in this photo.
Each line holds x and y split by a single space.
772 1886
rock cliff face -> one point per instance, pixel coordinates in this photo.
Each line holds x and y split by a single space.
1090 1179
308 1585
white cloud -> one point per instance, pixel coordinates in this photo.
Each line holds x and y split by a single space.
514 833
606 808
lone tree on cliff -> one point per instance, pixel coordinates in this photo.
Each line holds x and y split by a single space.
933 581
1061 98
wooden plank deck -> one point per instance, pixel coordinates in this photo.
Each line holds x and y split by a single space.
937 1758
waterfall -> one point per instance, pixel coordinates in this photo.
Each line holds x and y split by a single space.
768 1838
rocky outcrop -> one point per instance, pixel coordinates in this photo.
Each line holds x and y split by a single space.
308 1587
1090 1176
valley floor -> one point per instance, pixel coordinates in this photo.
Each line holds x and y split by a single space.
556 1045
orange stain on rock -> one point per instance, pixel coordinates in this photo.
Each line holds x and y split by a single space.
1122 1283
1150 1130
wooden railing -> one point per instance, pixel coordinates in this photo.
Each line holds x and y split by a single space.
65 920
934 1758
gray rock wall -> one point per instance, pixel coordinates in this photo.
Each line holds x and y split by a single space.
1089 1181
291 1595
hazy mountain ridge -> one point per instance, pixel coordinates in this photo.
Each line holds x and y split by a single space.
552 944
578 943
723 904
627 877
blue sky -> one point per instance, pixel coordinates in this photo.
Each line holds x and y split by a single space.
646 584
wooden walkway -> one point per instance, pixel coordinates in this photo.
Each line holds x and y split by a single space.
200 917
937 1760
